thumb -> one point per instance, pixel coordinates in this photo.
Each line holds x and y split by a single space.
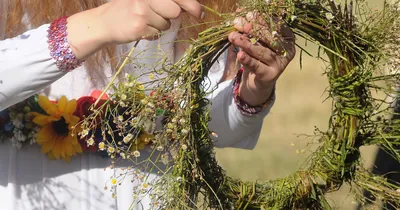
192 7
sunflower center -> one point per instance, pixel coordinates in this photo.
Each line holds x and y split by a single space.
61 127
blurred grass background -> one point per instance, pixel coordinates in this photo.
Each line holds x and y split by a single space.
299 107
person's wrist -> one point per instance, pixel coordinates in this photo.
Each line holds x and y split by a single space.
250 99
256 94
87 33
101 20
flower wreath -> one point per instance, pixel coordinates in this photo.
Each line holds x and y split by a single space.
54 126
356 48
358 43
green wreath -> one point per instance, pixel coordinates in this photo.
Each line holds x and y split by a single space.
360 50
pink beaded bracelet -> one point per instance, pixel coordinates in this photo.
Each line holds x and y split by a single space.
244 107
59 46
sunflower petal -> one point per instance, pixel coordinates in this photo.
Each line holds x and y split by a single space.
63 155
62 104
63 142
77 129
71 119
68 145
74 140
51 156
67 158
47 147
78 148
46 105
45 134
57 148
71 107
42 120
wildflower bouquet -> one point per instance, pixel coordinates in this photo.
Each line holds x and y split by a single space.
360 46
16 123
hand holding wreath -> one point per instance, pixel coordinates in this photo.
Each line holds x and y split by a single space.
264 60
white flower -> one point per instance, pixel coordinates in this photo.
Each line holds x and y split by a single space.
90 142
32 137
144 101
84 133
120 118
17 123
127 138
32 140
293 17
184 131
329 16
136 153
164 159
101 146
19 136
110 150
16 143
184 147
149 126
134 122
151 105
182 121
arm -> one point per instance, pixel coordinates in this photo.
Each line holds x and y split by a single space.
25 66
233 128
237 115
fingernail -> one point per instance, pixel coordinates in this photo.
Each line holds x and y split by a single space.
236 21
203 14
235 36
250 16
242 57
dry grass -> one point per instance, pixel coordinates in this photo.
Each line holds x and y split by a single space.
298 108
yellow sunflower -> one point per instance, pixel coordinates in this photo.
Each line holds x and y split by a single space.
58 135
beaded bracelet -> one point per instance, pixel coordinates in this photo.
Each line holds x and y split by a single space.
59 46
244 107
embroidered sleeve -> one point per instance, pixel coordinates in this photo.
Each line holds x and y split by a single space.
245 108
26 66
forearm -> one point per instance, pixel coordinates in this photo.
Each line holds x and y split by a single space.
86 33
255 97
232 126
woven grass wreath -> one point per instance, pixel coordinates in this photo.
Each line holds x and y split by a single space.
171 114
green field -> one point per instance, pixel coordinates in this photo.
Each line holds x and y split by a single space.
298 108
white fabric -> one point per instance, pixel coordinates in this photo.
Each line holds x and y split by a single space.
28 180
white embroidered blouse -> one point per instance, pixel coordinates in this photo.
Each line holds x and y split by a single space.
29 180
